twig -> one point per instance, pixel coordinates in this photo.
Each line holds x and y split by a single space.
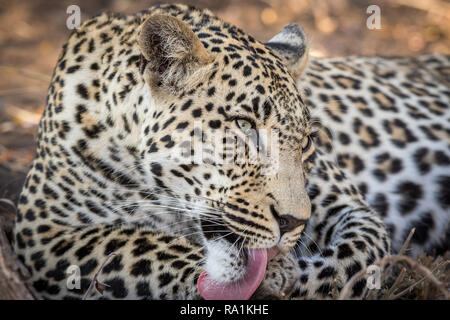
9 202
407 241
94 279
26 73
437 8
402 249
18 91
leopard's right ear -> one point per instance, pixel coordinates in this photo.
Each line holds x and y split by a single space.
291 45
173 55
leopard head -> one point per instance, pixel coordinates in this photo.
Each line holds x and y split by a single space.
230 133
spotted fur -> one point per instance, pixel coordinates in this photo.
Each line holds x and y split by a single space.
364 144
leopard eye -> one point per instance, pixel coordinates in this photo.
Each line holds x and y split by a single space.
306 144
244 125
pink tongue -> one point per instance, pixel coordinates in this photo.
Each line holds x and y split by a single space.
241 289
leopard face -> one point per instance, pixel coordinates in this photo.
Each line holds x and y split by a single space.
229 100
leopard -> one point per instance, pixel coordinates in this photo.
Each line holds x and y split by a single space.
360 156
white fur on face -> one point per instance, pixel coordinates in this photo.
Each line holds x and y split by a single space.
223 262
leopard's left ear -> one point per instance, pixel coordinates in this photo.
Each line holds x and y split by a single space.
174 56
291 45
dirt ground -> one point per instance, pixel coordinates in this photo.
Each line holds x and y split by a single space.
33 31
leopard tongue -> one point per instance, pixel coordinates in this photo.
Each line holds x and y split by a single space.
241 289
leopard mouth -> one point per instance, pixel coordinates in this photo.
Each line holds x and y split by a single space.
243 288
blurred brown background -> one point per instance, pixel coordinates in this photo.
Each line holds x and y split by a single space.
33 31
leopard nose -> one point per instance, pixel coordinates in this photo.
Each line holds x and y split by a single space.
286 222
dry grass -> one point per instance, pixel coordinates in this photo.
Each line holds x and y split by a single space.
403 278
424 278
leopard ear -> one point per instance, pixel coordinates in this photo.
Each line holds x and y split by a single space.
172 53
291 45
